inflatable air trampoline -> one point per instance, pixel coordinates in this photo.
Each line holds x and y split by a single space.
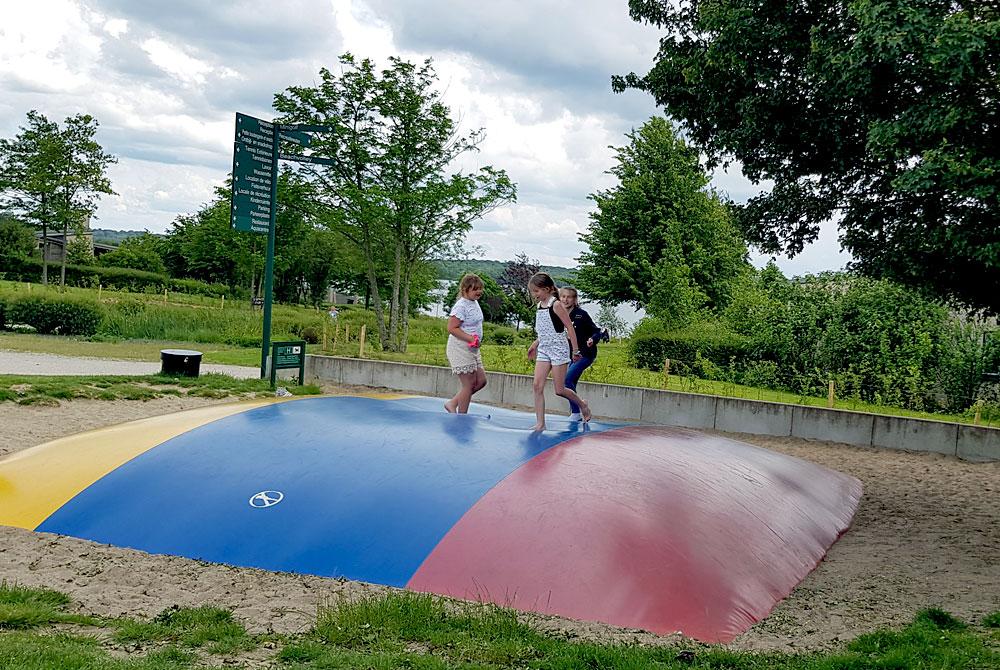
638 526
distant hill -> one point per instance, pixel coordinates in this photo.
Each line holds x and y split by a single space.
114 237
452 269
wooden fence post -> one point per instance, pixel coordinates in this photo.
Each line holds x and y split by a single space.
830 395
361 348
324 335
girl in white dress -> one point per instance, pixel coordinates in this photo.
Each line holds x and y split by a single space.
465 333
551 351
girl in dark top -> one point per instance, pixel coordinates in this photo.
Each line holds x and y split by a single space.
587 334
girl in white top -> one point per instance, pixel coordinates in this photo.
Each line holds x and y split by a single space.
465 332
551 351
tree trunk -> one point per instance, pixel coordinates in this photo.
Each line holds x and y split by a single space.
376 298
65 254
45 244
45 253
405 336
394 342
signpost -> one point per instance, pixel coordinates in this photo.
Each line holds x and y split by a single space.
255 191
287 355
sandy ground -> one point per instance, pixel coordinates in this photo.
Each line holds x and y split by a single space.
926 535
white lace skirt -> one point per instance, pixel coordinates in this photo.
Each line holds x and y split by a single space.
462 359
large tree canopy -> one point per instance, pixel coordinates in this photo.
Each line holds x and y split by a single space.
882 115
661 239
393 189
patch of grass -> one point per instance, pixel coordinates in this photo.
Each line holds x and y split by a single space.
23 608
410 630
992 620
209 627
45 390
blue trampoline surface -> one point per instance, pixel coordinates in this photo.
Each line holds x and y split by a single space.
369 486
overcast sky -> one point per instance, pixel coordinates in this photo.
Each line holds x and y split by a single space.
164 80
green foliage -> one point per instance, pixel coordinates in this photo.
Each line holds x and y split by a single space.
17 239
22 608
53 176
117 279
882 114
704 347
142 252
189 627
660 239
52 313
389 195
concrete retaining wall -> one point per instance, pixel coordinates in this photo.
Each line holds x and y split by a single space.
972 443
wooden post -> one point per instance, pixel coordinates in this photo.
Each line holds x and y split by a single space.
347 332
666 368
223 302
164 296
99 287
361 338
979 412
336 333
324 335
830 395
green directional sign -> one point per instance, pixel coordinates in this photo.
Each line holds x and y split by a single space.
253 175
294 137
319 160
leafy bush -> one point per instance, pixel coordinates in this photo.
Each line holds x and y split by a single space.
49 314
502 335
116 279
696 345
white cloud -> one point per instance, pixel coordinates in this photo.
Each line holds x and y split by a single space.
165 79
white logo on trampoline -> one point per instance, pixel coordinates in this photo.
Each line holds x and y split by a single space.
266 498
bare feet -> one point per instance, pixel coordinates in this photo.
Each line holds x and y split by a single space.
450 406
538 427
585 411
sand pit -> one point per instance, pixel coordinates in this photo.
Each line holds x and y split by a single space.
925 534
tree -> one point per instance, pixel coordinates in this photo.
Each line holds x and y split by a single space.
881 115
389 191
607 318
17 240
141 252
661 239
514 281
54 176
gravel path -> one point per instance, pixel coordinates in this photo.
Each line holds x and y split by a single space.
24 363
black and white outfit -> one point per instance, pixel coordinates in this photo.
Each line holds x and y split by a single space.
553 346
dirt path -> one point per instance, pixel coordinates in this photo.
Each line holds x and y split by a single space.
927 534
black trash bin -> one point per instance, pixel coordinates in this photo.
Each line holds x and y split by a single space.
183 362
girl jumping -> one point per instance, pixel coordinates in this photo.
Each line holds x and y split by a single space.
465 331
551 351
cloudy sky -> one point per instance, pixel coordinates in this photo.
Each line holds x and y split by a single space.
164 80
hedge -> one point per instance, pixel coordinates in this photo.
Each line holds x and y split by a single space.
49 314
120 279
713 342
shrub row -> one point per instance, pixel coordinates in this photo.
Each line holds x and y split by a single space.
62 315
118 279
650 346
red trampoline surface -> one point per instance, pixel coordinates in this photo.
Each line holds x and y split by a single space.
658 528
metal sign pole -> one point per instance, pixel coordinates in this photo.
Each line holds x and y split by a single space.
269 261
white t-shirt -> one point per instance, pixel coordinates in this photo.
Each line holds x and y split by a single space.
470 314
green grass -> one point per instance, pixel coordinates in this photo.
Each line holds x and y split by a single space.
408 630
32 389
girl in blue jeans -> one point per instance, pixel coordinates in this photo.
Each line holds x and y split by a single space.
587 334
